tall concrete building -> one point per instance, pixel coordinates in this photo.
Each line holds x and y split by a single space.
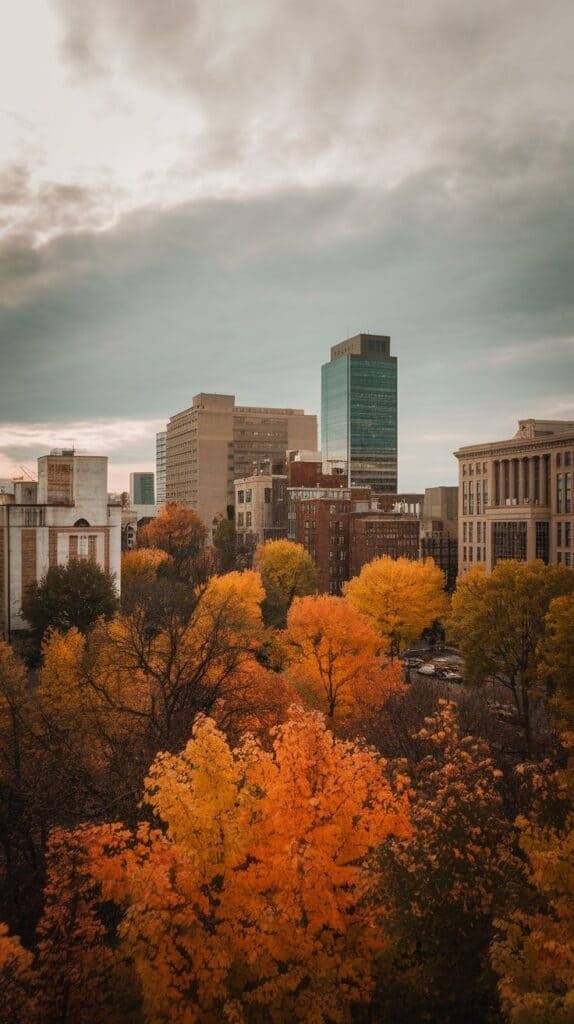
439 531
215 442
64 515
142 489
515 497
359 411
160 467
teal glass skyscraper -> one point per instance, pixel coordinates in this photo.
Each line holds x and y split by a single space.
359 411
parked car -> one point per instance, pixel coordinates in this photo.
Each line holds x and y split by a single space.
451 676
427 670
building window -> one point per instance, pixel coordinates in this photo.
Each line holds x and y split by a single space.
471 500
267 495
240 519
248 497
478 497
568 492
471 532
559 493
567 558
559 535
464 558
464 530
470 554
567 534
559 557
465 498
248 518
543 542
478 533
92 548
509 541
559 459
241 497
567 458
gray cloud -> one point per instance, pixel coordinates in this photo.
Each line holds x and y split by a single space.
247 297
347 91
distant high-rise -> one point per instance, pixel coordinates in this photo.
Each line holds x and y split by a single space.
160 466
215 442
142 489
359 411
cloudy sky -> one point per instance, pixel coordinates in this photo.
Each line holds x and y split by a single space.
205 195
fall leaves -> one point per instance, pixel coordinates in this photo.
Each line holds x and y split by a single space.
193 827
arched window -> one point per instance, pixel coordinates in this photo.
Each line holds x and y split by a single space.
81 523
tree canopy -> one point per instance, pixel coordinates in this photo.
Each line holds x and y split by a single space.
72 595
400 597
287 571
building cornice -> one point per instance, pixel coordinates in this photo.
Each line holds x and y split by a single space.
515 444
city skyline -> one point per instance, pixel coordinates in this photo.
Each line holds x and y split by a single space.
174 225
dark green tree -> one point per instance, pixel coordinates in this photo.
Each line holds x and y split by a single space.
76 594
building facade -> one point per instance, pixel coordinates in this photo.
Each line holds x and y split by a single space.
64 515
515 497
382 535
359 411
142 489
439 531
215 442
160 467
260 508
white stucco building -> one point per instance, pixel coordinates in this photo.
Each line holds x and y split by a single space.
64 515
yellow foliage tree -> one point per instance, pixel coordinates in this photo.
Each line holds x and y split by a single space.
400 597
248 901
499 619
335 659
287 571
556 658
142 564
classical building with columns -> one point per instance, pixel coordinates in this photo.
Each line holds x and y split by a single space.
515 497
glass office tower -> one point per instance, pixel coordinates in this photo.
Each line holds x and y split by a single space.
359 411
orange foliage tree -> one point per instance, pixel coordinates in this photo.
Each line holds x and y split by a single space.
247 900
18 982
444 886
180 533
534 952
335 659
400 597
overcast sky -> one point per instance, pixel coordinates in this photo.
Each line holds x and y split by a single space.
205 195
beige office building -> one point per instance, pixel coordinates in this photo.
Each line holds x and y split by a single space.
515 497
215 442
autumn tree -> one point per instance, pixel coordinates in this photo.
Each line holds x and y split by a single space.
246 899
556 659
76 594
181 534
225 544
498 620
18 982
534 951
400 597
334 657
442 888
287 571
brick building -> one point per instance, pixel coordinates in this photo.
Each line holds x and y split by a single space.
381 534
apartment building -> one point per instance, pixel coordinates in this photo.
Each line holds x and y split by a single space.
215 442
261 507
160 466
515 496
64 514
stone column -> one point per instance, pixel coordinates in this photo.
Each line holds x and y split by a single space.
531 494
543 479
521 468
502 481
